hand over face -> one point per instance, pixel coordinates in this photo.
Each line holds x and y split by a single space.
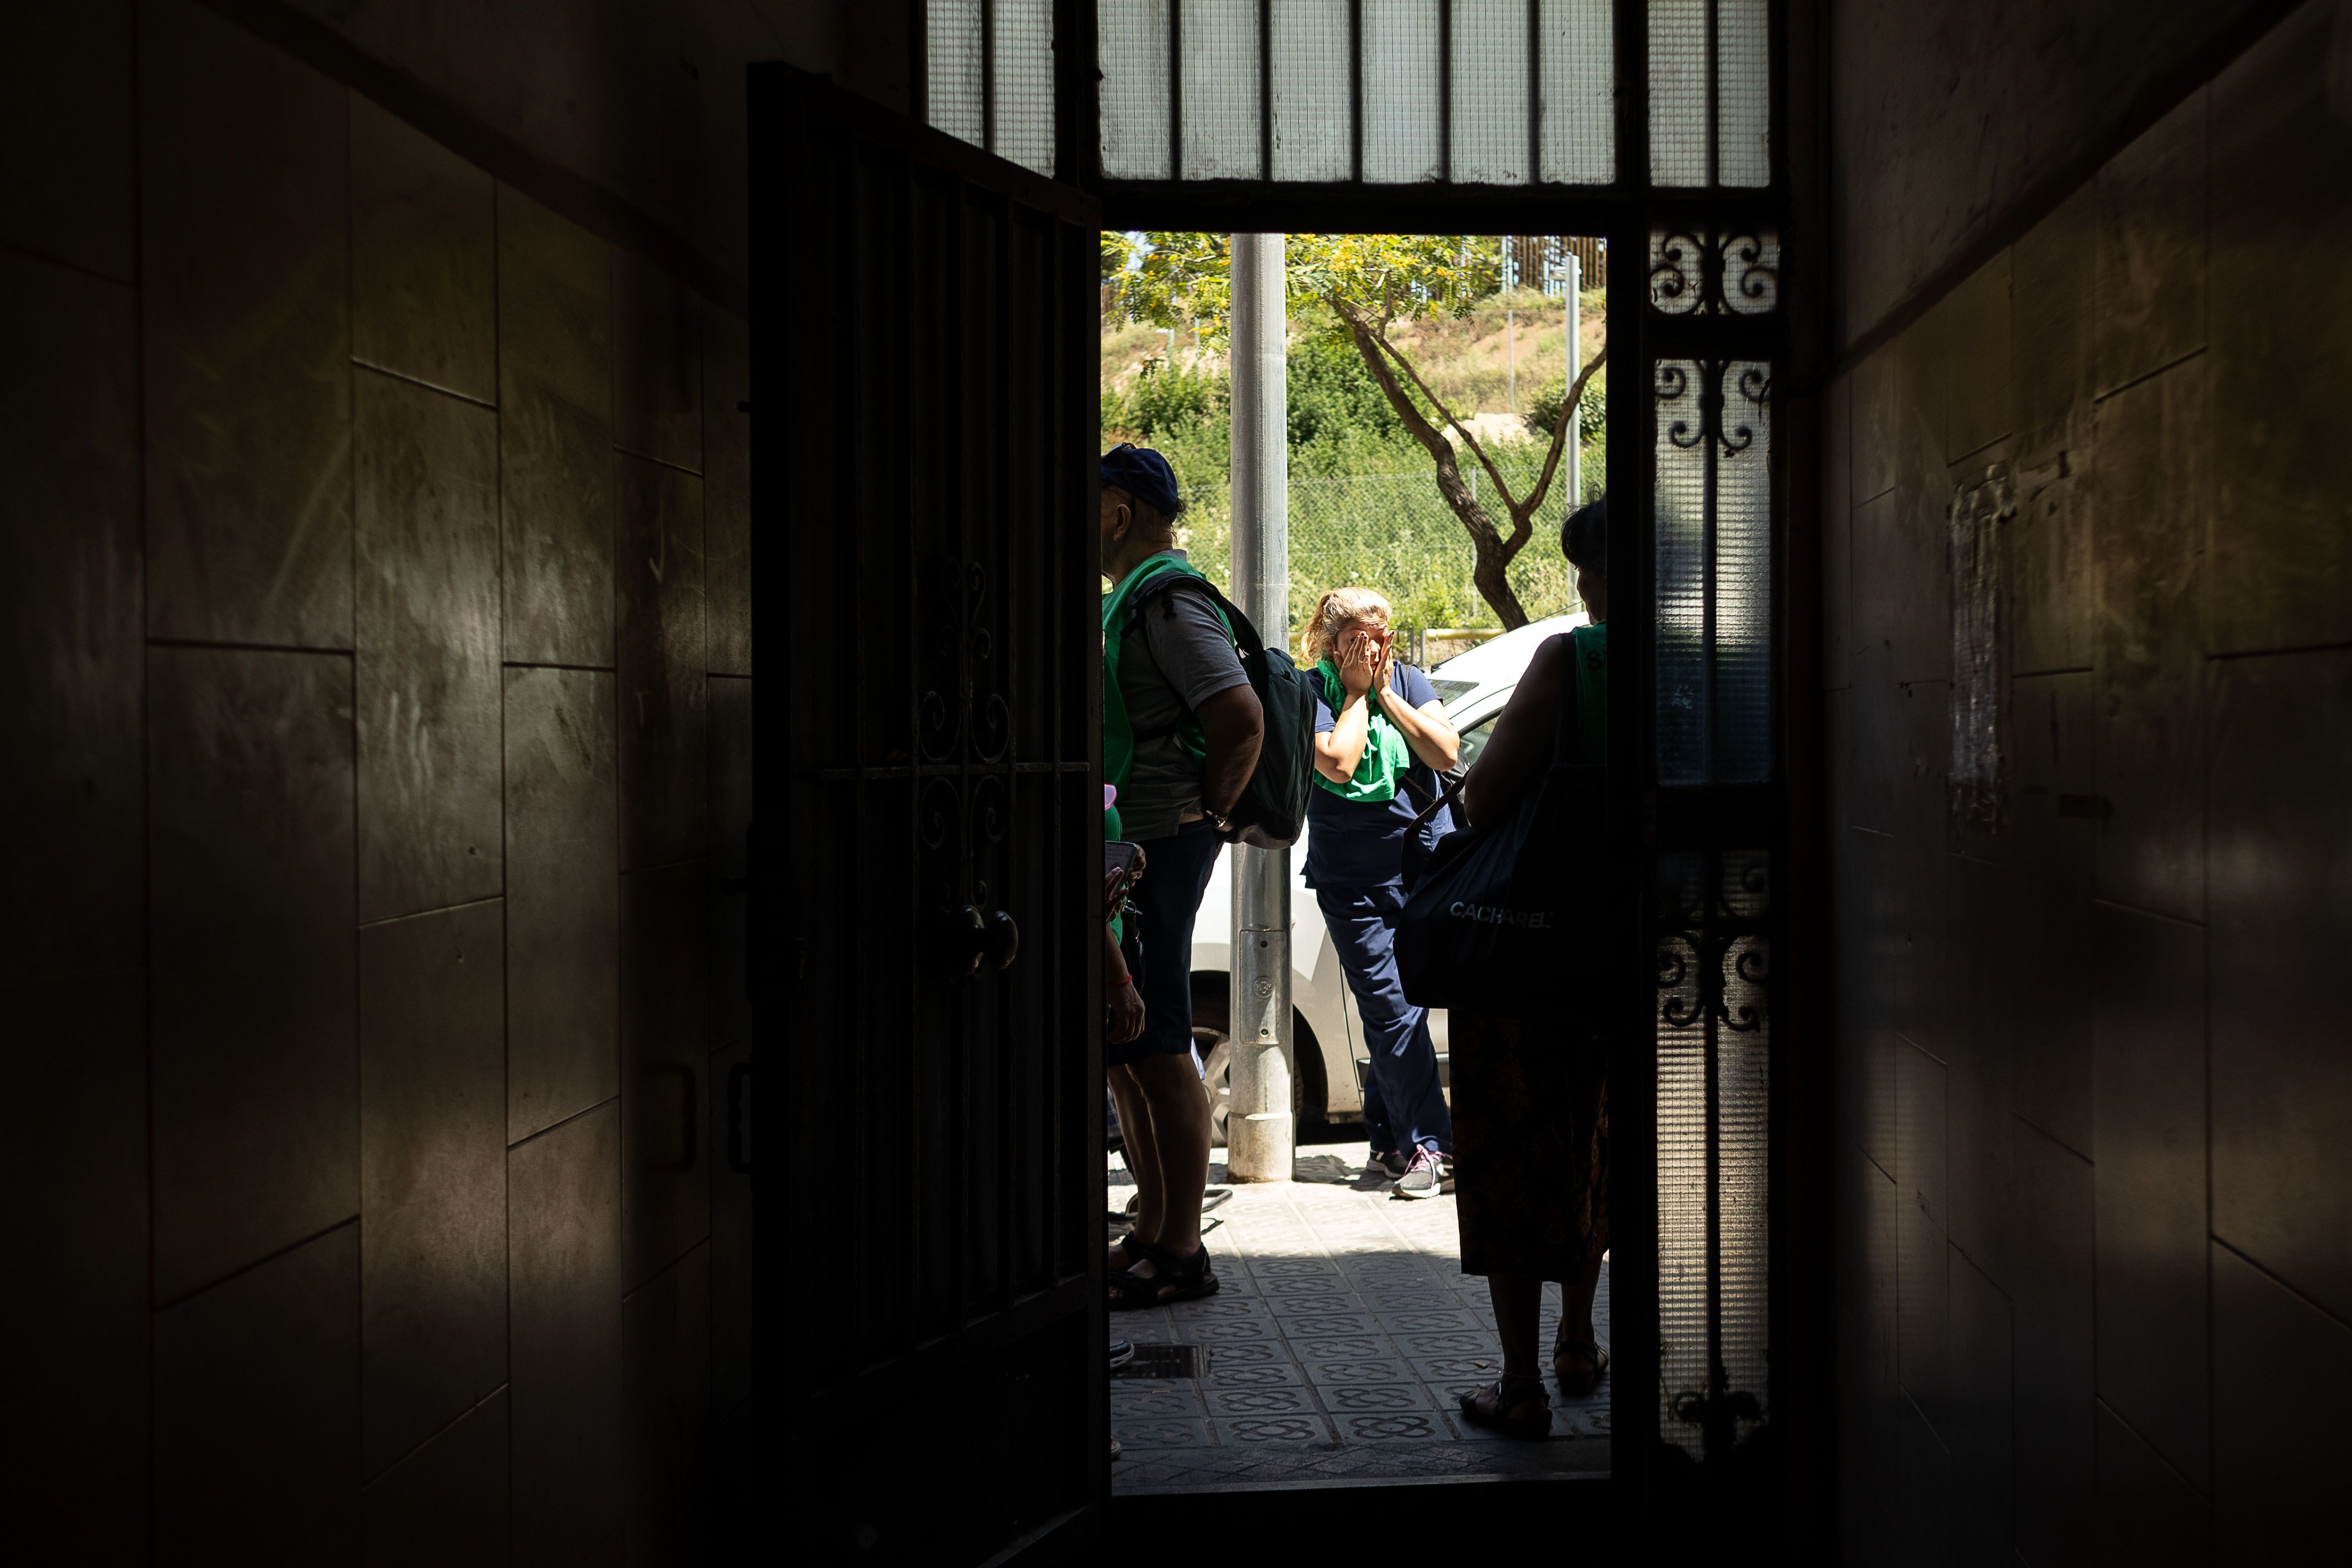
1362 657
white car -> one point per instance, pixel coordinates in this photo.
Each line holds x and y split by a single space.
1330 1057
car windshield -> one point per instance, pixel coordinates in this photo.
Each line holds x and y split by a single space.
1474 740
1449 691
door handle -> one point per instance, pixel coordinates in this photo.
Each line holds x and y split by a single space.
989 938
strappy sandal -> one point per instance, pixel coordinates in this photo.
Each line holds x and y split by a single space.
1176 1279
1565 1353
1502 1407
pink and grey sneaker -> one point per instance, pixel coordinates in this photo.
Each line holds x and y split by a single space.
1424 1176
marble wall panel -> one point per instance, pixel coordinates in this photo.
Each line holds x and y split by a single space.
257 1454
73 1125
657 366
446 1503
71 894
664 760
2151 248
2155 438
253 1023
68 161
424 259
427 666
563 1229
433 1173
2281 856
727 487
244 267
555 435
2148 1146
2281 559
2280 1365
563 898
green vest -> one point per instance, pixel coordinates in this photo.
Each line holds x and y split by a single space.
1387 753
1119 737
1591 646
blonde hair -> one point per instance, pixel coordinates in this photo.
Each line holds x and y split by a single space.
1332 613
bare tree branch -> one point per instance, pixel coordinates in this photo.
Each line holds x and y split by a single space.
1568 403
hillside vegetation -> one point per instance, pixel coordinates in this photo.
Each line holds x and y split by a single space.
1364 504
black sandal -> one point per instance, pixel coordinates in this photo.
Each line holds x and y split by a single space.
1176 1279
1575 1385
1492 1408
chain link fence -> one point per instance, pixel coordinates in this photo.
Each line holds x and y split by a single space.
1393 533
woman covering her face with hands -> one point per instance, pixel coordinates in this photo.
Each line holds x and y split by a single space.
1380 741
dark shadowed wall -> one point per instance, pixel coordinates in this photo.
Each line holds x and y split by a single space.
1950 117
2095 1295
374 595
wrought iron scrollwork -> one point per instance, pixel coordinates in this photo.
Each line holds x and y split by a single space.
1707 272
1712 915
1693 404
959 714
1713 931
964 807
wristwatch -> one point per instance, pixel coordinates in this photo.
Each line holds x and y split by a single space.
1218 820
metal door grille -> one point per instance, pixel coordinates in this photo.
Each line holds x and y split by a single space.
1654 122
1712 765
926 561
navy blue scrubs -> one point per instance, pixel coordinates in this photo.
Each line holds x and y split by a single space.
1355 855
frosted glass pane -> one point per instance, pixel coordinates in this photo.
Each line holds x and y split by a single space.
1221 100
952 85
1742 1147
1743 94
1400 91
1132 50
1681 1167
1743 578
1714 1057
1490 92
1713 540
1680 529
1579 133
1025 83
1311 138
1678 91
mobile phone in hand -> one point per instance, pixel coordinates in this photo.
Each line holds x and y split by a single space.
1122 860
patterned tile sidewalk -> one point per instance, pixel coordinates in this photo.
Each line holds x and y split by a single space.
1335 1348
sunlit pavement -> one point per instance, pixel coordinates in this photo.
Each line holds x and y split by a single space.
1335 1348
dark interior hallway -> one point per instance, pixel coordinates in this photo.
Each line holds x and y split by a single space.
376 593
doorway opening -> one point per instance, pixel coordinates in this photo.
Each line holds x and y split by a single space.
1444 400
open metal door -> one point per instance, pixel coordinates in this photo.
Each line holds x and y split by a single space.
924 898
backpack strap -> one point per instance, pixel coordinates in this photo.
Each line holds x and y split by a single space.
1237 625
1567 730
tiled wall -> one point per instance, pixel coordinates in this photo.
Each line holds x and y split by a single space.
375 602
2095 1295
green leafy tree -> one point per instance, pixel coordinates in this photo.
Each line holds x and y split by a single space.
1359 287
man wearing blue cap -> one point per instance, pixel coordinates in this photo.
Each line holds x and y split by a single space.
1180 734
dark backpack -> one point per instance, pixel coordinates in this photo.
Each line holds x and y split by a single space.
1272 811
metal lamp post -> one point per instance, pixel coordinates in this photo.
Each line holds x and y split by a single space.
1259 1135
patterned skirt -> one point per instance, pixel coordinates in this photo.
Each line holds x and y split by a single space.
1530 1145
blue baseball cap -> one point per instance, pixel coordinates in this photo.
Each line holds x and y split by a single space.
1143 474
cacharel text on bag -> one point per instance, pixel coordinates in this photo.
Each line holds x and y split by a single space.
1501 915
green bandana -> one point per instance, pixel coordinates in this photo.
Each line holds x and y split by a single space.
1386 753
1118 738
